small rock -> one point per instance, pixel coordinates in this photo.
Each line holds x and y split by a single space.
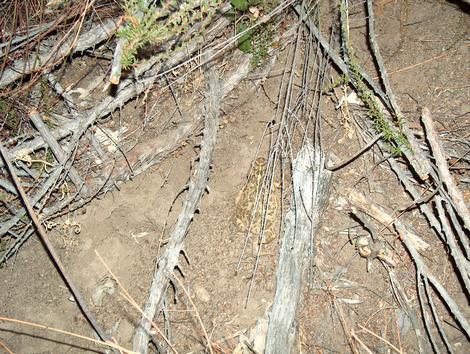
465 108
107 288
201 293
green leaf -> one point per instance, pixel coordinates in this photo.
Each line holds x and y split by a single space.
241 5
244 42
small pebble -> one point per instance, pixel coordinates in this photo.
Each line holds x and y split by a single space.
202 294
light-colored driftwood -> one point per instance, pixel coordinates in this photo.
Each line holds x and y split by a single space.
311 182
44 56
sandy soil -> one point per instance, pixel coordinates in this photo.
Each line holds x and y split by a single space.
426 51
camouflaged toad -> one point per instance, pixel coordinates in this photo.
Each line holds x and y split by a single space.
245 212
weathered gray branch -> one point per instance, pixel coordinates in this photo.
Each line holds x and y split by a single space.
197 185
127 90
311 182
441 163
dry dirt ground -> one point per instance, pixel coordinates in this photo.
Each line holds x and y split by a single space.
425 45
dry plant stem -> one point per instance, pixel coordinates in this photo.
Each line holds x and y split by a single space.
31 34
80 123
219 48
461 263
197 313
117 65
360 201
68 100
459 228
153 151
51 181
382 339
170 259
424 208
51 251
311 182
417 164
268 178
18 243
7 186
356 155
7 350
344 326
435 315
43 55
441 163
425 315
57 150
335 57
356 338
109 344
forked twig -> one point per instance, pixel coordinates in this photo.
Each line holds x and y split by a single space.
379 337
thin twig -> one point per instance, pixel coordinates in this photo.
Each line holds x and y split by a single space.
35 61
57 150
125 294
382 339
52 329
196 311
355 156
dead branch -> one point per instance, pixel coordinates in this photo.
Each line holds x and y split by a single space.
409 240
49 184
197 185
416 157
56 149
422 170
441 163
127 90
311 183
43 56
367 206
409 309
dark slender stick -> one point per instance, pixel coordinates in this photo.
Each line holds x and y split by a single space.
51 251
356 155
